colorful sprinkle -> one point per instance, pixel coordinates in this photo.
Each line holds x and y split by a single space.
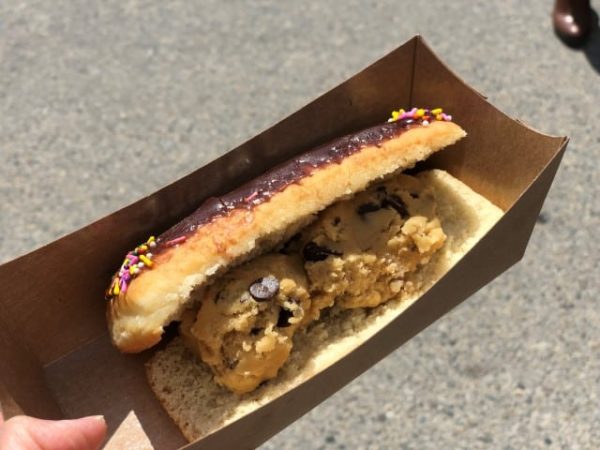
133 264
146 261
420 114
397 115
175 241
251 197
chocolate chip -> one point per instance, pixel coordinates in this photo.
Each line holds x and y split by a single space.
414 195
395 202
366 208
336 221
283 319
264 288
254 331
314 252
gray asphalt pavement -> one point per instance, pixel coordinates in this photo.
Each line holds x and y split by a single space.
104 102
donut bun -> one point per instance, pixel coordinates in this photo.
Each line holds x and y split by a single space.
154 285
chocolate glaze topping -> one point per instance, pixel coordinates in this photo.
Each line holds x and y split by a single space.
262 188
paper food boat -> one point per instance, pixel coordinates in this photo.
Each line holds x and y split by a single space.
55 356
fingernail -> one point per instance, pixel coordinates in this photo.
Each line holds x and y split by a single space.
99 417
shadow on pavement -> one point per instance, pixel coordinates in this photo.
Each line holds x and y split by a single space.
592 47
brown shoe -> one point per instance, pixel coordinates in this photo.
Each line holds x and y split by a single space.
572 21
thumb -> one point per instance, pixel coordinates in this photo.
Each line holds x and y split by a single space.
28 433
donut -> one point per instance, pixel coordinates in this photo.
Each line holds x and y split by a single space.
154 285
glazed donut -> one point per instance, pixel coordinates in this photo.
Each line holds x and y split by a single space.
154 285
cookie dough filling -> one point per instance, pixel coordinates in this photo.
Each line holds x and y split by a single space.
359 253
244 327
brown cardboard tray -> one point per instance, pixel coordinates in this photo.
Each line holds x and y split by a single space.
55 356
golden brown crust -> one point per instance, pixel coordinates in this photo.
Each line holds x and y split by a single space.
159 296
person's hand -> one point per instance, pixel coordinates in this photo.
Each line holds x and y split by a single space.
27 433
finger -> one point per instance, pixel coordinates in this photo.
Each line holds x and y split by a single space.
29 433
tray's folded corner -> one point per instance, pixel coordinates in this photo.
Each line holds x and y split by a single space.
508 162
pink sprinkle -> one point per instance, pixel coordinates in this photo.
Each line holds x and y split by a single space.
175 241
123 285
251 197
133 259
404 115
413 112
